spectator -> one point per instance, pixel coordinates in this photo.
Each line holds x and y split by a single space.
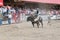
1 16
9 18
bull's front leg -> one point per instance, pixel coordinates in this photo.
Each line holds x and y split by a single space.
33 24
38 24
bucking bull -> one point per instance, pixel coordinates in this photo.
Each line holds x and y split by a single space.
35 20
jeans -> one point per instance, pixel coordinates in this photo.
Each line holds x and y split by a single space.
0 21
9 20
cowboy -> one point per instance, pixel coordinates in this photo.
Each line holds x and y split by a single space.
36 15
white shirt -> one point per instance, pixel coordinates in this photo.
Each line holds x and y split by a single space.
9 16
4 10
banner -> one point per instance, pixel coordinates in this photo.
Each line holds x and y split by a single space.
45 1
1 2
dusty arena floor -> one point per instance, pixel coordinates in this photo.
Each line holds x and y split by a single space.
25 31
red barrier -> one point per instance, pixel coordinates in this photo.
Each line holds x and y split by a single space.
1 2
45 1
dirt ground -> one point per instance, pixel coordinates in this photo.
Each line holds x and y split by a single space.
25 31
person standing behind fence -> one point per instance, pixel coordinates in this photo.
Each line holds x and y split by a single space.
9 18
1 16
9 15
18 17
14 16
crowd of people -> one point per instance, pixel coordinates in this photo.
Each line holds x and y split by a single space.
15 14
